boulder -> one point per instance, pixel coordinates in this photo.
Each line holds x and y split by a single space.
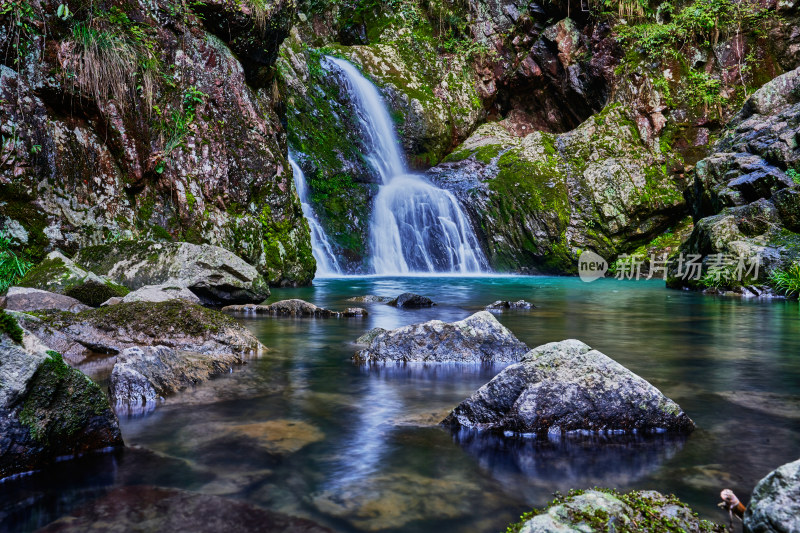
354 311
143 375
567 387
159 293
775 504
581 510
409 300
479 338
141 508
501 305
368 337
217 276
27 299
47 409
110 330
61 275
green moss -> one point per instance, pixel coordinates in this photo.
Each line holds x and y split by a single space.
60 402
17 205
9 326
41 275
484 154
94 294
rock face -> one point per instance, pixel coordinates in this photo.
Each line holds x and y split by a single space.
25 299
582 510
47 408
745 201
479 338
110 330
144 508
565 387
539 199
143 375
295 307
501 305
214 274
775 504
199 157
409 300
59 274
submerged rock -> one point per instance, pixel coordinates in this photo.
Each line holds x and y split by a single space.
27 299
294 307
109 330
142 508
568 387
601 509
370 298
500 305
159 293
479 338
409 300
47 409
143 375
217 276
775 504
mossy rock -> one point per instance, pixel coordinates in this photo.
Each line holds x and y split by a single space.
9 326
94 293
607 509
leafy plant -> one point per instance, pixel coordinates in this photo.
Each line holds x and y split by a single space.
21 31
12 268
787 280
794 174
181 119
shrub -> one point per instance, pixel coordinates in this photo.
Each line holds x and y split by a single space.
12 268
787 281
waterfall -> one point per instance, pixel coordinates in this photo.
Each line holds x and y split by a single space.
320 246
415 226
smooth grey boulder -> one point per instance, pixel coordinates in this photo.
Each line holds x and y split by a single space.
28 299
214 274
159 293
142 375
501 305
479 338
564 387
775 504
409 300
47 409
644 510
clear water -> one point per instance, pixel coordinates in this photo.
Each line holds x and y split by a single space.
415 226
373 458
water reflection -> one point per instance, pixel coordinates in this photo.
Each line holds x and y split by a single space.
559 463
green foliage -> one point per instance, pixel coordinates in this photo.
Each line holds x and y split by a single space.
9 326
178 125
794 174
787 281
12 268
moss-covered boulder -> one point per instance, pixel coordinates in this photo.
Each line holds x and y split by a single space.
539 200
216 275
605 510
59 274
47 409
109 330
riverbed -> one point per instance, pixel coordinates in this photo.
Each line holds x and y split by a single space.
305 431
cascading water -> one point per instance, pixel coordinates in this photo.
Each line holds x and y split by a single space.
415 226
320 246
